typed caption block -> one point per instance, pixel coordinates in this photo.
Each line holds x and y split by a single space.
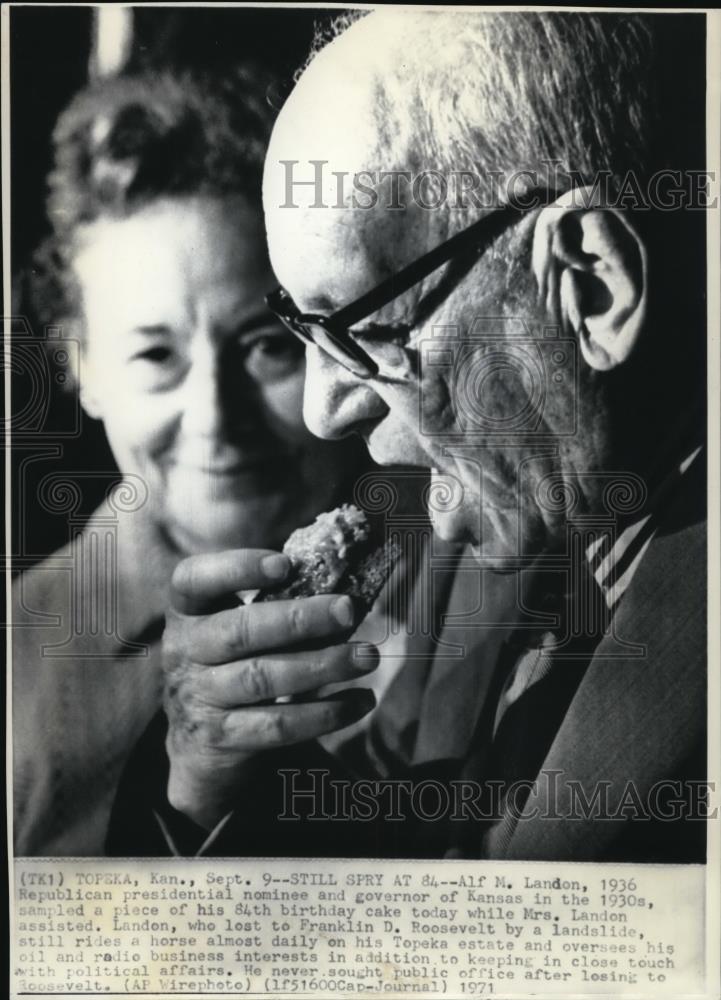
276 928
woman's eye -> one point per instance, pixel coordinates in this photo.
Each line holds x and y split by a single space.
157 367
156 355
270 356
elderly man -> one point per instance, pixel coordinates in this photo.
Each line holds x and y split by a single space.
464 211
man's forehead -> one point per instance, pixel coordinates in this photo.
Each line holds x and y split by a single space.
338 112
326 258
325 194
339 129
325 132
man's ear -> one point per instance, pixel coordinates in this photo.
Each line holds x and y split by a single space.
591 269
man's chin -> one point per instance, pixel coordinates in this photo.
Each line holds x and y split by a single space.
496 564
490 543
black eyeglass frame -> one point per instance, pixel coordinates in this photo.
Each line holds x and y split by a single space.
342 347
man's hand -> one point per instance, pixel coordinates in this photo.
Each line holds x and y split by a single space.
226 666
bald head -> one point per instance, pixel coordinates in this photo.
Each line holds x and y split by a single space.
507 91
548 100
338 130
430 94
501 96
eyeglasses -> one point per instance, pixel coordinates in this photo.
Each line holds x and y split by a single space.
332 334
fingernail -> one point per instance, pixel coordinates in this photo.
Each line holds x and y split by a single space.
342 610
365 657
275 567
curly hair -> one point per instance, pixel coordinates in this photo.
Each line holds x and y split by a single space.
124 142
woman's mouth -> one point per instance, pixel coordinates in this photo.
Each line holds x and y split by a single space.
230 465
236 476
231 468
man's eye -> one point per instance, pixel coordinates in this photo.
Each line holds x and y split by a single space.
376 333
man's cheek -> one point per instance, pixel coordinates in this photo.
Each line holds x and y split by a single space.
437 409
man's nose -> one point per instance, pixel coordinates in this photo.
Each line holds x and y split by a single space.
335 401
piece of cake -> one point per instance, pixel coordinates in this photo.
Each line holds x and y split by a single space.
342 552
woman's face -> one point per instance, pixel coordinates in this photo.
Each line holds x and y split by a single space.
199 388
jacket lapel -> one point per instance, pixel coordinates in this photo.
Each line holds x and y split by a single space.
635 719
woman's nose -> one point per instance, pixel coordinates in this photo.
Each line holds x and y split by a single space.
335 401
205 401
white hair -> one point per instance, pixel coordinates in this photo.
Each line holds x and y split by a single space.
506 91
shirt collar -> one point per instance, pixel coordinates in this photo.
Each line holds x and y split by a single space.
614 560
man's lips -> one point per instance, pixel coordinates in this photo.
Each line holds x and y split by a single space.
400 453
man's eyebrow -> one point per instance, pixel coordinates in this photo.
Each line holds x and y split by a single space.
322 303
327 303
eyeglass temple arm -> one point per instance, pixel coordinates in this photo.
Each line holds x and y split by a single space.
490 226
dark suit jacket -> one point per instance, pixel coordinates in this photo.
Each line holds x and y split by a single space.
596 739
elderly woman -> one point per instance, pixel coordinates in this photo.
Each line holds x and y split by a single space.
159 250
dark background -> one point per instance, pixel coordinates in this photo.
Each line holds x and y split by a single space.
49 56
